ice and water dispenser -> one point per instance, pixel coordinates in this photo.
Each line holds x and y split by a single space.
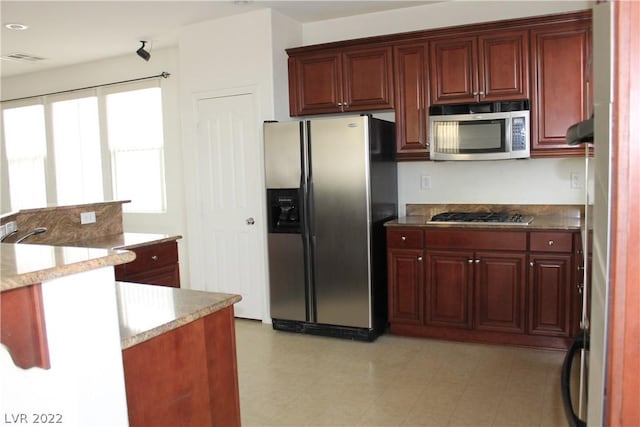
284 210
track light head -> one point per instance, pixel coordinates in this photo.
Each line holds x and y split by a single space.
143 53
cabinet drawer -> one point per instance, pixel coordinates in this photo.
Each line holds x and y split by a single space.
164 276
152 256
477 240
540 241
405 238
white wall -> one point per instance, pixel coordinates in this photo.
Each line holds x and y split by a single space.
225 57
435 15
118 69
285 33
532 181
535 181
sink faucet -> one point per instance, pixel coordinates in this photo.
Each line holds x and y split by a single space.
35 231
7 235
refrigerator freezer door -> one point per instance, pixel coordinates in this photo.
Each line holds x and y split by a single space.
287 277
339 153
282 154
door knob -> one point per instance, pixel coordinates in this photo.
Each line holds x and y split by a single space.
250 221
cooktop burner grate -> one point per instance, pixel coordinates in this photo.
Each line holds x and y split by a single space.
482 217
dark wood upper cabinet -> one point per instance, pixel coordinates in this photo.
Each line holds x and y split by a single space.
545 59
560 86
471 68
411 91
368 79
503 73
358 79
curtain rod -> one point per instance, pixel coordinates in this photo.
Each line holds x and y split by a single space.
164 75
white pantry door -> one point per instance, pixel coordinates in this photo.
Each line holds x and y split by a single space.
229 170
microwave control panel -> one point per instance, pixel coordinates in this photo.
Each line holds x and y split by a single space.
518 134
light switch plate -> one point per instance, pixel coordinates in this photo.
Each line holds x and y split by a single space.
87 217
425 182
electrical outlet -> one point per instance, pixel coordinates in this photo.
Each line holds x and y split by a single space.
425 182
576 180
87 217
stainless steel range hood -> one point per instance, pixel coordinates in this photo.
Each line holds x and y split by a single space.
581 132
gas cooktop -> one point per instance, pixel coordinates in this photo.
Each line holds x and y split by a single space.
497 218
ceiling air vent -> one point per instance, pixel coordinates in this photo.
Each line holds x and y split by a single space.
21 57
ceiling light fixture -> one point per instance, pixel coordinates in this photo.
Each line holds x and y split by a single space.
143 53
16 27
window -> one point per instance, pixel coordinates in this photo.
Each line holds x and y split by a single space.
76 142
26 148
135 142
103 145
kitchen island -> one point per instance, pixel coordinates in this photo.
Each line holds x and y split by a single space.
179 356
91 351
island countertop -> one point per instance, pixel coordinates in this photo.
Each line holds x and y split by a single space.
27 264
125 240
147 311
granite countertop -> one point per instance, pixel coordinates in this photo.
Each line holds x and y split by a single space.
545 217
540 222
125 240
26 264
146 311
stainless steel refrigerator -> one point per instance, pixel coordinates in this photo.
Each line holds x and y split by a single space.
331 185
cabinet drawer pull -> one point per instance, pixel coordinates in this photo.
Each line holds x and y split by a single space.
404 238
550 242
477 261
531 263
419 258
470 261
154 257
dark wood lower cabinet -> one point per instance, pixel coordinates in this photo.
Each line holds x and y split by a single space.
449 289
511 295
550 294
406 299
155 264
185 377
500 292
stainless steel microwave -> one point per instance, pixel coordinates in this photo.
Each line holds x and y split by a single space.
487 131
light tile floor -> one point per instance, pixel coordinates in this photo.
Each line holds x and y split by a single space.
290 379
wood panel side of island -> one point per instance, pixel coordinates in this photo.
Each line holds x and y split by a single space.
186 376
22 326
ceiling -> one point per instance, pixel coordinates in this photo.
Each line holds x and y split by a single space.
71 32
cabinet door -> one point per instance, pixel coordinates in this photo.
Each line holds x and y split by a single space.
449 289
559 69
368 79
406 285
454 70
411 97
549 294
315 83
500 280
503 73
